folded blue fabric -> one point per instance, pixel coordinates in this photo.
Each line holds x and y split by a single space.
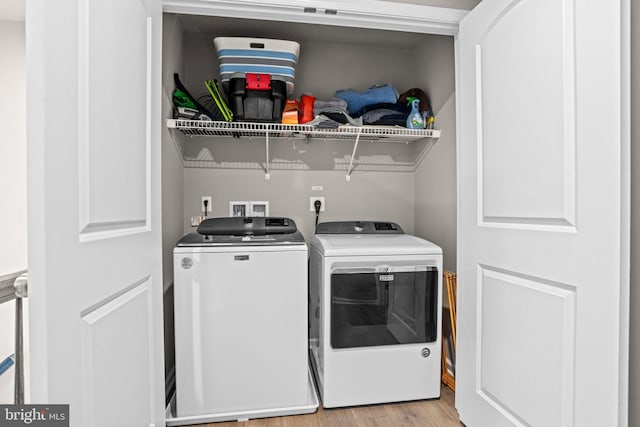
356 101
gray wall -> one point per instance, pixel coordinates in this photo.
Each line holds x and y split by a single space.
435 176
369 195
435 184
634 377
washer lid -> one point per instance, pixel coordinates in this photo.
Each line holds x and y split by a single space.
247 226
373 244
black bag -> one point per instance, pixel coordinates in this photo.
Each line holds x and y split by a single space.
210 111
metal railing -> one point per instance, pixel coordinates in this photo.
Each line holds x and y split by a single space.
14 286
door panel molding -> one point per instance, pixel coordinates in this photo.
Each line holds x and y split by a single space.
114 190
526 333
117 346
540 127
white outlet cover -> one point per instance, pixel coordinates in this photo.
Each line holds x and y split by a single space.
259 208
237 208
209 203
312 200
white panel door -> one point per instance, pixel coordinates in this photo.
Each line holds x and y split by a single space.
94 194
543 216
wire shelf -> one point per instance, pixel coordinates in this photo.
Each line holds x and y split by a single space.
249 129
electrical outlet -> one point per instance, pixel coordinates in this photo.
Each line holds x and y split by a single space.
209 204
312 200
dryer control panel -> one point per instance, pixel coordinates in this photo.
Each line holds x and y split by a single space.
359 227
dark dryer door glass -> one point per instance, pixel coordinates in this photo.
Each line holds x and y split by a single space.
375 307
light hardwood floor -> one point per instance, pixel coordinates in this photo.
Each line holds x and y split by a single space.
424 413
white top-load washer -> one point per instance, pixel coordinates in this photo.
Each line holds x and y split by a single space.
375 314
241 329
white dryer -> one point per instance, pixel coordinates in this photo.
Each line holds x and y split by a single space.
241 321
375 314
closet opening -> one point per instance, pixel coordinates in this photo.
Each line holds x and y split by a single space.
412 183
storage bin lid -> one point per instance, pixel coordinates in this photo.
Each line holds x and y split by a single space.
241 55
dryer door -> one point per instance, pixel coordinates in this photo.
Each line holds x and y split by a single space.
374 306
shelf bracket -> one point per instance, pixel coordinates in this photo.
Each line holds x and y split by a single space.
353 154
266 163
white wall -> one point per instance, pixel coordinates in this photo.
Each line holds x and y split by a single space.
13 163
13 179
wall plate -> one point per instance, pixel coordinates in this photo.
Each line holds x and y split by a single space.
259 209
312 200
209 203
252 208
239 209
